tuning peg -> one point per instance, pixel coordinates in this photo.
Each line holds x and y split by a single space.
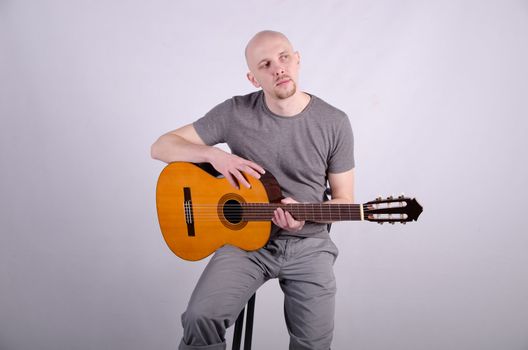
378 198
401 196
390 197
392 222
380 222
404 222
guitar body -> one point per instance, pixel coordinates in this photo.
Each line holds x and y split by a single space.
194 215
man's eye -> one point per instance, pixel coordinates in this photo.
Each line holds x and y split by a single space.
265 65
284 57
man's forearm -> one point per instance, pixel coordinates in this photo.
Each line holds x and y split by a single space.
172 148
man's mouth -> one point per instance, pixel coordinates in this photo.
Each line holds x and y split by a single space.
282 81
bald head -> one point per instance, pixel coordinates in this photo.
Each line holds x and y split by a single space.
261 38
273 65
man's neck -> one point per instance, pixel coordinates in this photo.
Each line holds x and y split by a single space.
288 107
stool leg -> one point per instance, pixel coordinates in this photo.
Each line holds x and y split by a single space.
249 322
237 335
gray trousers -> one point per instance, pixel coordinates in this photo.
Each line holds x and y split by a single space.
304 267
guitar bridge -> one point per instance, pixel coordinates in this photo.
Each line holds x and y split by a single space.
188 209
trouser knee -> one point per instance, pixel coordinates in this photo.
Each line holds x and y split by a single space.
198 319
203 326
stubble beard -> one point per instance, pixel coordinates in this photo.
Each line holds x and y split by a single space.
284 94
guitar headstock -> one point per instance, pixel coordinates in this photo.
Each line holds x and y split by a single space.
400 209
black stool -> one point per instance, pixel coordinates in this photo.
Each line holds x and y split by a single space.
239 324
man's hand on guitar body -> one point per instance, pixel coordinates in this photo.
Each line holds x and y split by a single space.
232 166
285 220
185 145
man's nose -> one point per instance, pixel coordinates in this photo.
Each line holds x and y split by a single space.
279 70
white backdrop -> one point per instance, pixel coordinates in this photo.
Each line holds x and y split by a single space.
436 92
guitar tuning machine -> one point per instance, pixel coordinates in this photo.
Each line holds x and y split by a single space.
401 196
378 198
390 197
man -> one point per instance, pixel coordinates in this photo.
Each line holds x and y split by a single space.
303 142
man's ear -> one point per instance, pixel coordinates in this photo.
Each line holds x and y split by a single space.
298 57
252 79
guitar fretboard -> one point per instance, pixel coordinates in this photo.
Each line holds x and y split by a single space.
303 211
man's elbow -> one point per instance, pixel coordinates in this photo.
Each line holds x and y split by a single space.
155 150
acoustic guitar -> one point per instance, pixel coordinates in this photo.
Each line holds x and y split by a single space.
199 211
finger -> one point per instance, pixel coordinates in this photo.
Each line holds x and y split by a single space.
279 217
255 166
241 179
276 221
290 220
248 170
232 181
288 200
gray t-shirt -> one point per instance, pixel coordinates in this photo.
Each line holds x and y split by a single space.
299 150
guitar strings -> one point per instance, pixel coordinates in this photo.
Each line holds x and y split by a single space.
267 208
248 213
304 208
265 211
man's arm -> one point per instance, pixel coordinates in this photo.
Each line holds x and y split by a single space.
185 145
342 186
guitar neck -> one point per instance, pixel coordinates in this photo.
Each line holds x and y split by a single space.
303 211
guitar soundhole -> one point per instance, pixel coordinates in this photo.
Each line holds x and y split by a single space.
232 211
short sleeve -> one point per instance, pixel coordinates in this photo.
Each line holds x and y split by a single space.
214 126
341 156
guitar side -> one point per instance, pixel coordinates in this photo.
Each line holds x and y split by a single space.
190 204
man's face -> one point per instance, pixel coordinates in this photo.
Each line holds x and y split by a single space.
273 66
